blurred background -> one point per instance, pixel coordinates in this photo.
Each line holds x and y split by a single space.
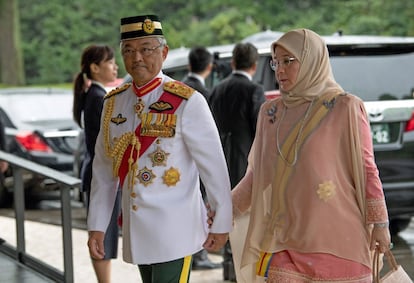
41 41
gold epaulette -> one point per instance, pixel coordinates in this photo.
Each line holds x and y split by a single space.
178 88
117 90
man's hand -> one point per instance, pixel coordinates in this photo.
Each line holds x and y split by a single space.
215 241
96 244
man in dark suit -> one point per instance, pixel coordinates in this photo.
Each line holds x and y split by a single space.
235 103
200 66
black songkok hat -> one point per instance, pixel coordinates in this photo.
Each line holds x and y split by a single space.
140 26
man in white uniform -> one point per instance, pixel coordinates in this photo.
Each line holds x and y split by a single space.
157 138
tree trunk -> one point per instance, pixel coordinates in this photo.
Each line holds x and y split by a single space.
11 63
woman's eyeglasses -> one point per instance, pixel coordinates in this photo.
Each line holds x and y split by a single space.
284 62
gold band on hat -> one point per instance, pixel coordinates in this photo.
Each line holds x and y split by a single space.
138 26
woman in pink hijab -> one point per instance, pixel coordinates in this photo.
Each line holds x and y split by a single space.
312 186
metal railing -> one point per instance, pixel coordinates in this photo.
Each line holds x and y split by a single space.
18 253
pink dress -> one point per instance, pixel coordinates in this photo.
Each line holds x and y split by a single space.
316 222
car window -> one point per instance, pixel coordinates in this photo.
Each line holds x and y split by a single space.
371 77
379 77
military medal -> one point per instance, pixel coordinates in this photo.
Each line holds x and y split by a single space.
159 157
145 176
118 119
139 106
158 125
171 176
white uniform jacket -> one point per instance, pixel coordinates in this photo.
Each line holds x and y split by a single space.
163 219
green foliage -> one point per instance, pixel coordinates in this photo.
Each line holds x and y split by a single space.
55 32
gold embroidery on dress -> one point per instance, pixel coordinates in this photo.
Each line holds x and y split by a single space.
326 190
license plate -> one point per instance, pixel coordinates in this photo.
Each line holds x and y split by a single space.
380 133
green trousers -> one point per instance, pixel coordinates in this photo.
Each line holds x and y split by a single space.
176 271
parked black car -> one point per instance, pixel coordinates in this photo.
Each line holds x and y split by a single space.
379 69
39 127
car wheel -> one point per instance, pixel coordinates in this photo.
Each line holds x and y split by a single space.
399 224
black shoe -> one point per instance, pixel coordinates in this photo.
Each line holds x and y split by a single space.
205 265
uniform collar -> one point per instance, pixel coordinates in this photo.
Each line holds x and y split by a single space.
148 87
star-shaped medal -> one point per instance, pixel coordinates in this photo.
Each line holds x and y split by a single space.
159 157
145 176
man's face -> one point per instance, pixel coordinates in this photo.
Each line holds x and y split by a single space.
143 58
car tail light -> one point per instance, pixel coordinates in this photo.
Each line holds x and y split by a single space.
410 124
32 142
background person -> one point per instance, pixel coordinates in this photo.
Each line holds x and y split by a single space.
98 68
317 208
235 103
200 65
157 138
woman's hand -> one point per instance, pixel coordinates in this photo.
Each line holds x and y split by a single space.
380 239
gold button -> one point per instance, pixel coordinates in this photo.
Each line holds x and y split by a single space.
134 207
133 195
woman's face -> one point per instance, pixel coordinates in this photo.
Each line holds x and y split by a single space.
287 68
105 72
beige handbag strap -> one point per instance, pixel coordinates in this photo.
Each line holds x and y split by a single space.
376 263
391 260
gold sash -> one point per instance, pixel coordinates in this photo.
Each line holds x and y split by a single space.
322 106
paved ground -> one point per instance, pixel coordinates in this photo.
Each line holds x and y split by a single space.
44 241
